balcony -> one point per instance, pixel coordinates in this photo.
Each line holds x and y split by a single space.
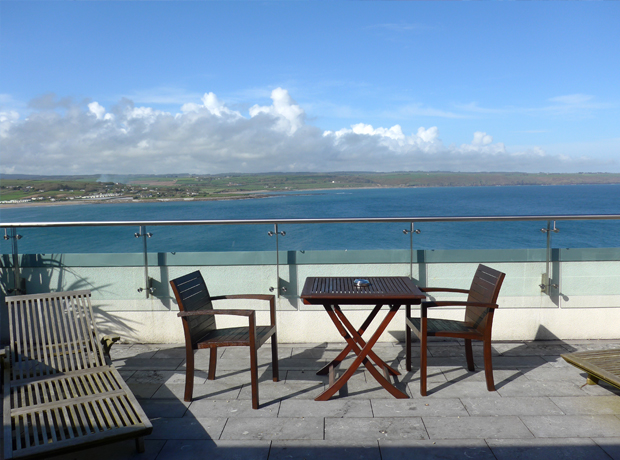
540 409
556 299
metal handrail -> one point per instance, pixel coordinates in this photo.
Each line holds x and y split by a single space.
347 220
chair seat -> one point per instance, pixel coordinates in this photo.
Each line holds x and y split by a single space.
445 328
234 336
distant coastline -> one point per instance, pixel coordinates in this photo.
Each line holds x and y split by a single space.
91 189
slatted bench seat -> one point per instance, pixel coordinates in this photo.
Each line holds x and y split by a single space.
598 365
60 395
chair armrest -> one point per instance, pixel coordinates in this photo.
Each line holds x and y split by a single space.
435 289
216 312
456 303
270 297
244 296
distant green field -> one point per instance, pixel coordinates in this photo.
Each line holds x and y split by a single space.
178 186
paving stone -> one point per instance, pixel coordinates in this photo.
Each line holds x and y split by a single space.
187 428
306 376
526 387
556 361
601 389
447 407
588 405
545 449
302 364
553 373
144 390
517 362
591 345
534 349
434 374
324 450
307 428
177 352
611 446
121 450
234 377
169 408
137 364
333 408
453 351
214 450
364 386
453 389
262 352
435 450
232 363
511 406
476 427
276 391
122 351
230 408
364 429
211 390
500 376
161 377
573 426
318 353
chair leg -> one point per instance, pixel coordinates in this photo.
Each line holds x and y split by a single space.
140 444
488 365
469 354
423 363
274 358
408 339
189 374
254 375
212 363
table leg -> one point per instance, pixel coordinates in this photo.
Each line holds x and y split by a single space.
358 339
344 353
361 355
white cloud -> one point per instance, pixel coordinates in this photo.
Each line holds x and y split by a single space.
289 116
206 136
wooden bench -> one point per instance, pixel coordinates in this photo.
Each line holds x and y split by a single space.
598 365
60 395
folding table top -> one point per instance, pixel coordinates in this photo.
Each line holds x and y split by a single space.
361 290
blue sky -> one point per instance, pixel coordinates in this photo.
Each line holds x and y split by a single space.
213 87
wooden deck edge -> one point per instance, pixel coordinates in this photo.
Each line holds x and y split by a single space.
583 361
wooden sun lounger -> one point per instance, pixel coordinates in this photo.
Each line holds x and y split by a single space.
599 365
60 395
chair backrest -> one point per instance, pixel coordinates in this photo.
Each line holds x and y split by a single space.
192 295
484 288
52 333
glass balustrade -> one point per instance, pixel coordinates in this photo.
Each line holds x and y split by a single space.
567 262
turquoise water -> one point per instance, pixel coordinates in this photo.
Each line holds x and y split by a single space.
409 202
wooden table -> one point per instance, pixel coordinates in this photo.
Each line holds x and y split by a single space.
331 292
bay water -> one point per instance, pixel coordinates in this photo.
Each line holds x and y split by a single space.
364 203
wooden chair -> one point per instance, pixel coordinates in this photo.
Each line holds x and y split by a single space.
198 315
479 308
59 393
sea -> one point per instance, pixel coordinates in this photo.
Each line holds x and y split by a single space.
363 203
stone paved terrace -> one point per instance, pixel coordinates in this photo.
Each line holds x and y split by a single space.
541 408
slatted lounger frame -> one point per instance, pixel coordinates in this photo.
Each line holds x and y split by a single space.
60 395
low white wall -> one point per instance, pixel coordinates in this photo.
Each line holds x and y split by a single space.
314 326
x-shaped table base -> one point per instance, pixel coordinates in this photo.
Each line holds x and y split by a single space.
362 349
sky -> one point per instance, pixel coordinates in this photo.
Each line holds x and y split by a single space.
211 87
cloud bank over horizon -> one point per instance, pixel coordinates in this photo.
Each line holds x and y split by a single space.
60 136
